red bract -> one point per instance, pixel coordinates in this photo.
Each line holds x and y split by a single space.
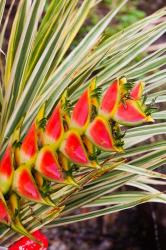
72 147
6 170
27 244
29 146
4 213
100 134
47 164
137 91
54 128
131 113
110 100
81 113
80 117
24 184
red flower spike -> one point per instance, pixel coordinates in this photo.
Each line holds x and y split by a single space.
4 213
100 134
81 112
72 147
29 148
54 128
47 164
110 100
6 170
26 244
130 114
137 91
24 184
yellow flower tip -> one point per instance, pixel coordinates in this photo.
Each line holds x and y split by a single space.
95 102
149 119
122 80
71 181
64 97
40 114
95 165
92 85
119 150
47 201
142 83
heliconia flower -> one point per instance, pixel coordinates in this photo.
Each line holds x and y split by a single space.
4 212
27 244
137 91
131 113
110 100
6 170
47 164
54 130
24 184
52 146
73 148
99 132
29 148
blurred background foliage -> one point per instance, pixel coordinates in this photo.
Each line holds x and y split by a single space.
129 14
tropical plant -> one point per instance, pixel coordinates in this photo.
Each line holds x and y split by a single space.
42 77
